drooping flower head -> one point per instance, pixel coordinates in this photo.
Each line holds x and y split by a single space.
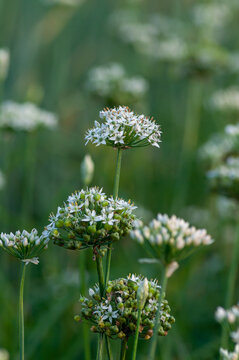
90 219
24 245
169 239
116 314
224 179
25 117
122 128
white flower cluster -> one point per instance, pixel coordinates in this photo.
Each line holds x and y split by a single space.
4 63
25 117
225 178
23 245
169 238
211 15
111 81
2 180
64 2
90 219
4 355
226 99
231 316
122 128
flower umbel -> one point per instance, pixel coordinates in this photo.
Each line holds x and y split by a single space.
116 313
169 238
23 245
122 128
90 219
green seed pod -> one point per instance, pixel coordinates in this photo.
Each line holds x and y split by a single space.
77 318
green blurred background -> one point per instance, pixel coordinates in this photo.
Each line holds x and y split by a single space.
53 46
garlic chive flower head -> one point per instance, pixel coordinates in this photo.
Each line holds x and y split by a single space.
24 245
122 128
224 179
90 219
226 100
116 314
25 117
169 239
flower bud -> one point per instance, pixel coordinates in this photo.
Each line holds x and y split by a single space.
4 63
142 293
87 170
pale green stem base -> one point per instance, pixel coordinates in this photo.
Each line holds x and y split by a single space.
100 348
21 313
157 318
231 286
136 337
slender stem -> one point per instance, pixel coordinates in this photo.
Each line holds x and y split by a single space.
100 274
136 337
123 348
100 348
231 286
157 319
108 349
21 313
115 195
86 337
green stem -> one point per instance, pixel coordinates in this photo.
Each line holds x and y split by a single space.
100 348
157 319
21 313
231 286
115 195
108 349
100 274
136 337
123 348
86 337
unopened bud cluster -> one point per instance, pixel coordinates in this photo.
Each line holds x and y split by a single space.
169 238
231 315
23 245
116 313
122 128
90 219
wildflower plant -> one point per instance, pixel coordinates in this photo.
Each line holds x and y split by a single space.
25 246
116 313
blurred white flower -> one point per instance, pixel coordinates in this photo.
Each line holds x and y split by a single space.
25 117
226 355
226 99
212 15
4 63
65 2
231 315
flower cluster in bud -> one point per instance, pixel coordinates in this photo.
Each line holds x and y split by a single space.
87 169
4 63
224 179
2 180
226 100
25 117
231 316
90 219
122 128
116 313
23 245
4 355
111 82
169 238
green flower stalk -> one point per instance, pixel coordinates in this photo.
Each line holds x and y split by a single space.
26 247
116 313
168 240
